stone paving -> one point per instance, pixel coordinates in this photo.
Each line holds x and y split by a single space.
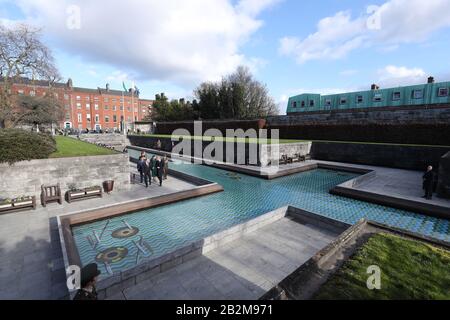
244 269
31 263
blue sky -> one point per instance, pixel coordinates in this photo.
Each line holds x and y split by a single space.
292 46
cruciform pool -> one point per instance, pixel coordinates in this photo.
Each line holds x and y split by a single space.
128 240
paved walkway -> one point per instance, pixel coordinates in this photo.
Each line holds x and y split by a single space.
244 269
31 263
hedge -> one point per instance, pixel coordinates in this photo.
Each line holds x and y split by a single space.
222 125
19 145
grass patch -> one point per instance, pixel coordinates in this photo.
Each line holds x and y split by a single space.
409 270
69 147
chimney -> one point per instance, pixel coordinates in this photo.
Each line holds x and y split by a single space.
374 87
431 80
107 87
69 83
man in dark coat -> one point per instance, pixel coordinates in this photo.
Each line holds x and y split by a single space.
89 274
140 168
159 169
147 172
428 183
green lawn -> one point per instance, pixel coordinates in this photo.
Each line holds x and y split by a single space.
69 147
409 270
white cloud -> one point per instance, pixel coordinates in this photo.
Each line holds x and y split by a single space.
393 23
392 76
179 41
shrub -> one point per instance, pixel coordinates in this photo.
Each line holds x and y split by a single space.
18 145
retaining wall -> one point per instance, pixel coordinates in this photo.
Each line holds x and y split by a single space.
26 177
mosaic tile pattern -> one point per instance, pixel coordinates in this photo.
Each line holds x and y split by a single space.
164 229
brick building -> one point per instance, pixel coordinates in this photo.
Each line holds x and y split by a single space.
93 109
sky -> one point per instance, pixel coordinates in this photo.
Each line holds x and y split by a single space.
292 46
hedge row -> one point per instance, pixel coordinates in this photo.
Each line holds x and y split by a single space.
18 145
425 134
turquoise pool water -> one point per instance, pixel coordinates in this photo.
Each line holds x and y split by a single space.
163 229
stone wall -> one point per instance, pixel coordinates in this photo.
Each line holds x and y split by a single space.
118 141
264 155
26 177
418 114
271 153
444 177
385 155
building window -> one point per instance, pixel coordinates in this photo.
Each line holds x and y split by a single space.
97 118
377 97
121 108
114 108
66 97
106 100
106 107
20 92
106 119
442 92
114 100
396 96
343 101
417 94
79 117
359 99
311 103
67 107
78 98
88 117
88 99
294 104
96 106
78 105
328 102
88 106
67 116
129 109
32 93
114 118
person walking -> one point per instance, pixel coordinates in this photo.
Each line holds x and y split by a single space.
428 183
153 168
140 168
166 167
147 169
159 170
89 275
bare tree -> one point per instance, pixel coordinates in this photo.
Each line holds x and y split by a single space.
22 55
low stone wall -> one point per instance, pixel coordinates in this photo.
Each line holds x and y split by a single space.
26 177
265 153
271 153
384 155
